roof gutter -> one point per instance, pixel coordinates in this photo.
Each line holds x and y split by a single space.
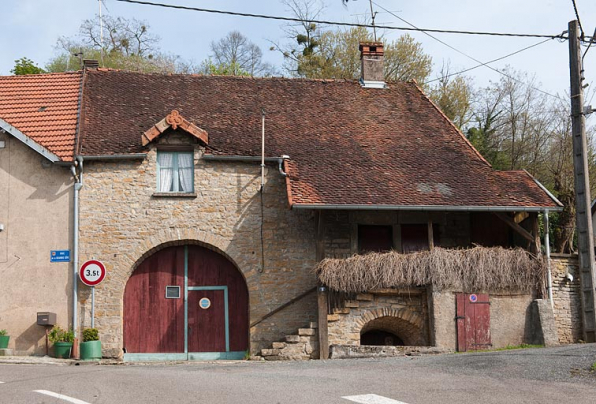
5 126
132 156
249 159
428 208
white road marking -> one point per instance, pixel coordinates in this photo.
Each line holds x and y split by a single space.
61 397
372 399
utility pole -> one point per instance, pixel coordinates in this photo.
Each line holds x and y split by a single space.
585 235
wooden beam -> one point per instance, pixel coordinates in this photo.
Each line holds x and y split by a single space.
431 241
511 223
322 298
535 248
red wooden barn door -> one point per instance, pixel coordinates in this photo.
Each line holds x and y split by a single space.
473 321
152 322
155 309
206 325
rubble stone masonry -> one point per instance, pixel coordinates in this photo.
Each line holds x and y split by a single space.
122 222
566 297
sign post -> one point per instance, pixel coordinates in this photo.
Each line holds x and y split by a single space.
92 273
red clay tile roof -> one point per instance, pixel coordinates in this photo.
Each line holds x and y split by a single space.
44 107
348 145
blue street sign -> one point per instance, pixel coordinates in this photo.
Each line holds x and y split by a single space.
60 256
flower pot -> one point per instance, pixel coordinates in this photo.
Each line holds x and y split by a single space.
4 341
90 350
62 349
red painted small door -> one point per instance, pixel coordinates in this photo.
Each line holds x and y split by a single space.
473 321
206 326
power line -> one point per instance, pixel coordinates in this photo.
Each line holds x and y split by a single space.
578 20
345 24
592 40
471 57
490 61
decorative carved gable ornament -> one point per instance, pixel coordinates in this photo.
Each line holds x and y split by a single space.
174 120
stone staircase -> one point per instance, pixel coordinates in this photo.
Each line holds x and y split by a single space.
301 346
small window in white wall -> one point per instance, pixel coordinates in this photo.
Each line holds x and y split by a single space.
175 172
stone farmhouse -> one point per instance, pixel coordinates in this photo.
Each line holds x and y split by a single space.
211 236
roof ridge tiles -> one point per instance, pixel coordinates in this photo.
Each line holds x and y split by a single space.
332 80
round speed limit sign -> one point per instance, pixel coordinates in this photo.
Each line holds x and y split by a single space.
92 272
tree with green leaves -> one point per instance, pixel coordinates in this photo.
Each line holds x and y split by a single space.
25 66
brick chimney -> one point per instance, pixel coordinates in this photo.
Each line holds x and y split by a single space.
372 58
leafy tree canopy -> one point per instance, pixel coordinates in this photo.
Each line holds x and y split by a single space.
25 66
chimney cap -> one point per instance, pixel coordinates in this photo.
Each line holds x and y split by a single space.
90 63
366 47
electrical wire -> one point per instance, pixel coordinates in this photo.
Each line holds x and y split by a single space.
592 40
490 61
581 29
345 24
471 57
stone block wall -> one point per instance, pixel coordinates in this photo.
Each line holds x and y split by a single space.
566 297
403 314
122 222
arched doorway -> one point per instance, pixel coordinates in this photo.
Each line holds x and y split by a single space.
185 302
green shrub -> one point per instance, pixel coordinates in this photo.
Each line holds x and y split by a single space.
57 334
3 333
90 334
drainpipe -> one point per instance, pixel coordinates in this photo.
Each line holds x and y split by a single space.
547 245
75 259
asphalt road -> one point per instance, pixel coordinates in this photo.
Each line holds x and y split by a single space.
548 375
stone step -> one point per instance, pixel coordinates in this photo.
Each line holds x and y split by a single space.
278 345
345 310
270 352
293 339
306 331
274 358
332 317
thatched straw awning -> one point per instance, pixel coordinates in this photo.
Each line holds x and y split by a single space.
471 270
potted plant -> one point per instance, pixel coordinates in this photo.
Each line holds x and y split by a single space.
4 339
62 341
91 345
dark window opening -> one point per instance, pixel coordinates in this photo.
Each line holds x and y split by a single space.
378 337
374 238
414 237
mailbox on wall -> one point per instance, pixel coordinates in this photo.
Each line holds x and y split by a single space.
46 318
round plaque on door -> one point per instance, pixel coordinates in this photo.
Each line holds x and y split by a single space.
204 303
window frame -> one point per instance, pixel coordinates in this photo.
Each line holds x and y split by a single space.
175 172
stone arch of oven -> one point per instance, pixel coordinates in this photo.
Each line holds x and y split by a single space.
403 323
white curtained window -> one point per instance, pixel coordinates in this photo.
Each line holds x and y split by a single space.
176 172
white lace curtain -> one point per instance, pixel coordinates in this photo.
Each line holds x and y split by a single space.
185 168
165 161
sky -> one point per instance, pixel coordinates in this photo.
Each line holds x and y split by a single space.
30 28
